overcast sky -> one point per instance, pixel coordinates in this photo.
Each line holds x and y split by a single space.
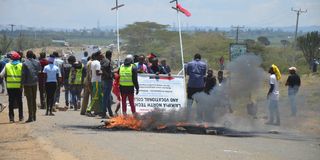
215 13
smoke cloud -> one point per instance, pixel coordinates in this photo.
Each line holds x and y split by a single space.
245 77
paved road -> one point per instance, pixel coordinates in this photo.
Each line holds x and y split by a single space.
71 136
74 135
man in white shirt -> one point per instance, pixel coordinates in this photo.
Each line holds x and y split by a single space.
96 82
273 96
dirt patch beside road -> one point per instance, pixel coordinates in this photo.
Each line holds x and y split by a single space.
16 142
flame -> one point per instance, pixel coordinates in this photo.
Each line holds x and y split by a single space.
130 122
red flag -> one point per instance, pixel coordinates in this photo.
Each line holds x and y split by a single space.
183 10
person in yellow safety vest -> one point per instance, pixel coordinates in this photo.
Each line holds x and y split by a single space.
128 81
12 73
76 78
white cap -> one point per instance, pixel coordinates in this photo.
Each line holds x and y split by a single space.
293 68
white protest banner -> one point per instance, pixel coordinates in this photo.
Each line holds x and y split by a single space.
162 92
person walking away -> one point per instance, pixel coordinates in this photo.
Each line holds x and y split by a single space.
96 83
65 72
107 78
293 83
12 73
42 81
76 77
87 87
273 95
58 62
196 70
128 81
116 89
53 77
3 63
30 71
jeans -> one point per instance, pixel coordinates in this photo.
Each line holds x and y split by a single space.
57 94
274 111
106 101
75 91
15 98
292 92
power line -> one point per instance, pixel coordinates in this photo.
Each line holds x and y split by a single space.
238 28
297 22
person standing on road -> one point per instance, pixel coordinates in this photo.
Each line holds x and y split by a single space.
293 83
87 88
273 95
42 81
107 78
196 70
128 81
58 62
65 72
84 59
75 79
3 63
30 71
12 73
96 83
53 77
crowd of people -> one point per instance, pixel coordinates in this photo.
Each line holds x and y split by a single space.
90 82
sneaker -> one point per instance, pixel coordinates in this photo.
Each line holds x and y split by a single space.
89 114
51 114
20 119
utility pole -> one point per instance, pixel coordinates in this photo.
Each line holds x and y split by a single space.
297 22
12 25
118 37
238 28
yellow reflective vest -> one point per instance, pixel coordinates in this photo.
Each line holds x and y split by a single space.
125 73
78 77
13 75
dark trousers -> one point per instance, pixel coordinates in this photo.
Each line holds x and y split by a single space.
15 99
31 94
43 95
66 93
51 88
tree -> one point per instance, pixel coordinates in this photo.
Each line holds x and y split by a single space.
5 43
285 43
249 42
263 40
140 36
309 44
